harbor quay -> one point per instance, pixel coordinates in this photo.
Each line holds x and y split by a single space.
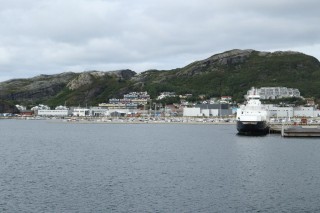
274 123
309 128
305 127
160 120
132 120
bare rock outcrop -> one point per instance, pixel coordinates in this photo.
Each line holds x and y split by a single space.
87 78
82 80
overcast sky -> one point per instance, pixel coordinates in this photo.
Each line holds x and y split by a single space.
50 37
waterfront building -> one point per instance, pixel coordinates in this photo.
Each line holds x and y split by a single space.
289 112
118 113
36 109
221 109
192 112
99 111
81 112
208 110
26 112
52 113
280 112
305 112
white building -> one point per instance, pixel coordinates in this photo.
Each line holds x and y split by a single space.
197 112
210 112
99 111
192 112
304 112
280 112
286 112
81 112
316 113
118 112
274 92
52 113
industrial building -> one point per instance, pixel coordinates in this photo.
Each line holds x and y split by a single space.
287 112
208 110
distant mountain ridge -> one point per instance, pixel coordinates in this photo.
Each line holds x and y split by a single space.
229 73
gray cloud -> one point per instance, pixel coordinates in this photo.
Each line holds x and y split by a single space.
45 37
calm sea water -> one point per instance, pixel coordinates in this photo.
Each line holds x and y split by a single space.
63 167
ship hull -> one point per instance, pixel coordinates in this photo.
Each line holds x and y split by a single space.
252 128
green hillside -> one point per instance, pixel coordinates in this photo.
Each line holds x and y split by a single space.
230 73
237 71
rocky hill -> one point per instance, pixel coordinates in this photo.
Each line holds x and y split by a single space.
229 73
73 88
234 72
40 87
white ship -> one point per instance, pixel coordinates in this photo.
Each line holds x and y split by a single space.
253 117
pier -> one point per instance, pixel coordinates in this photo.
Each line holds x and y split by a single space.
295 130
300 131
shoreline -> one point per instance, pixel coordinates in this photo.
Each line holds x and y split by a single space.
142 120
145 123
187 121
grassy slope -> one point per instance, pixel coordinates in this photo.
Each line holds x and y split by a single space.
205 77
100 91
293 70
